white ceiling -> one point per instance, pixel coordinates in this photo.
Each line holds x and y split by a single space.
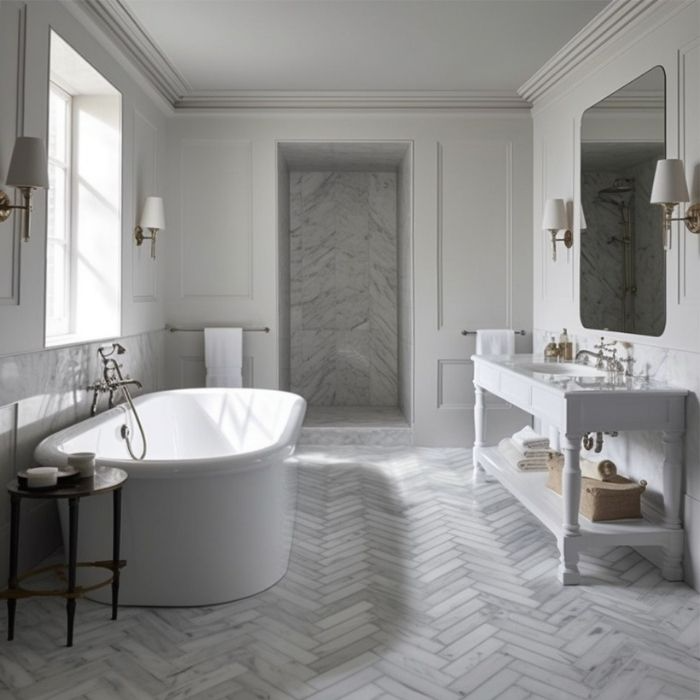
358 45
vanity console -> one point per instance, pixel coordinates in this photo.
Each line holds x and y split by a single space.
578 399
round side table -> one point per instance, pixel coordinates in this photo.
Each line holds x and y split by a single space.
106 479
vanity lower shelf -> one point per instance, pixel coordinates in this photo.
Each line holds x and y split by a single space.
531 490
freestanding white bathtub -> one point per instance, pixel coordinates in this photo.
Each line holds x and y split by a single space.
207 516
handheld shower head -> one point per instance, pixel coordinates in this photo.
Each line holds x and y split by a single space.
106 350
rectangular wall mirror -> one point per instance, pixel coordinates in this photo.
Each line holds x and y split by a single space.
623 263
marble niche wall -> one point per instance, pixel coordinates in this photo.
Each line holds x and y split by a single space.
604 302
343 288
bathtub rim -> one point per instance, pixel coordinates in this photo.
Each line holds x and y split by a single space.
50 452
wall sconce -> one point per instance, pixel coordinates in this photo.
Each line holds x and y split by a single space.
555 220
28 171
668 190
152 218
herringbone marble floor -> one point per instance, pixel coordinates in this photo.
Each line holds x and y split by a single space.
405 582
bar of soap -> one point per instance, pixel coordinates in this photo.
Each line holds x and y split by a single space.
41 477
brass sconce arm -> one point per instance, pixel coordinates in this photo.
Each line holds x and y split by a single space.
140 237
567 239
691 219
6 208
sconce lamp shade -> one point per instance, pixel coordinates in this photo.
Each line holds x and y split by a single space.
153 215
554 218
28 165
669 182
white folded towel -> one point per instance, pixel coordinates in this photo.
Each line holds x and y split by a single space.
513 456
528 439
223 356
529 452
495 341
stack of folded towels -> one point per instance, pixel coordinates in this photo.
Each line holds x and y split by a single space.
526 450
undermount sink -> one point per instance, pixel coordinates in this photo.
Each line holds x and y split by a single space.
570 369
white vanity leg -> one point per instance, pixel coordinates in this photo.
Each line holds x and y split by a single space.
672 563
571 497
479 418
672 473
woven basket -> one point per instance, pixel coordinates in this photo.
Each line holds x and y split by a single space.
616 499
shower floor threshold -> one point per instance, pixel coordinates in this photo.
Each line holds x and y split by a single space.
355 425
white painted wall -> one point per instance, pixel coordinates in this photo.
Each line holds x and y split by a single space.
668 34
468 252
44 390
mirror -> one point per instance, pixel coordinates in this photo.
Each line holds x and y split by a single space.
623 263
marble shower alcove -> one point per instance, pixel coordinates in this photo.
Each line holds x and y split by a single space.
345 281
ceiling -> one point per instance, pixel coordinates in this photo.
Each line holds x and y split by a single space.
224 47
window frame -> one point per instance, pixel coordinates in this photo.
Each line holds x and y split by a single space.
69 256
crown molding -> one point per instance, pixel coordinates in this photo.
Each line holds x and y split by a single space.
123 29
114 18
636 101
608 27
228 100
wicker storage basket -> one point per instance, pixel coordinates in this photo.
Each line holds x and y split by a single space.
615 499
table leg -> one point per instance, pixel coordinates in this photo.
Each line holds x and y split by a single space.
72 564
479 419
116 534
15 501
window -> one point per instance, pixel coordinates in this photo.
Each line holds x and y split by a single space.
83 254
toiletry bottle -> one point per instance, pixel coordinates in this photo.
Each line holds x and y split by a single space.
566 347
551 350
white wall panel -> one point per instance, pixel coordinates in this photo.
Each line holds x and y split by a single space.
215 218
11 34
480 202
689 283
144 271
669 39
474 234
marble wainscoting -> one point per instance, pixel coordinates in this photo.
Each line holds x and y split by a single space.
41 393
343 288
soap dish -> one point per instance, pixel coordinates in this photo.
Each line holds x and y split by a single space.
66 476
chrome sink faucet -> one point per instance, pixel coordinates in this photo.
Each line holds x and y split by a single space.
606 357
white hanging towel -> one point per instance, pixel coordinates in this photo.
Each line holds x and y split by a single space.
223 356
495 341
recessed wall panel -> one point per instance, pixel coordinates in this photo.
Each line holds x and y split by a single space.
455 388
144 269
474 232
215 218
689 242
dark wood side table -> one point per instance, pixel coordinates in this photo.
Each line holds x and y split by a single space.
106 479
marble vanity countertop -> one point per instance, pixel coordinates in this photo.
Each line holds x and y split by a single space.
570 377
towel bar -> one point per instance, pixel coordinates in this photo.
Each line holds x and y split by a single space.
201 330
474 332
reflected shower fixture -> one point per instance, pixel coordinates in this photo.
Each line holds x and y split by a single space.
555 220
28 171
669 189
152 218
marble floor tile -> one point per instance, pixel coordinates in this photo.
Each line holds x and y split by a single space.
406 581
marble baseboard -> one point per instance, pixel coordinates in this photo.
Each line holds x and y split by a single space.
380 437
